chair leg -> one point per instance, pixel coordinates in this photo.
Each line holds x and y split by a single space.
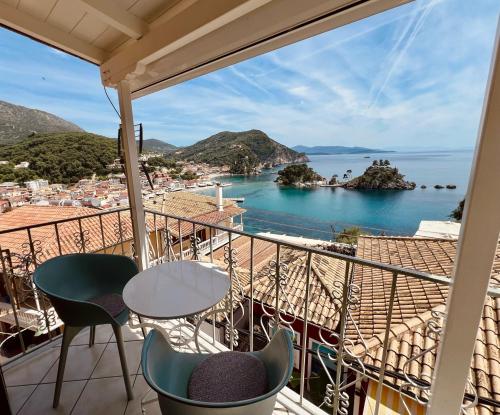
92 336
123 361
68 335
144 334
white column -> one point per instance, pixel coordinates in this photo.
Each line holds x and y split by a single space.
476 249
133 177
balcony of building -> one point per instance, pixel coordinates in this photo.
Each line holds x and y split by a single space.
378 313
377 331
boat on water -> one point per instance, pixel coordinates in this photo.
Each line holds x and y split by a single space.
191 186
225 184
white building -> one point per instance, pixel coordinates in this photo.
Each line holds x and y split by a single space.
37 184
438 229
22 165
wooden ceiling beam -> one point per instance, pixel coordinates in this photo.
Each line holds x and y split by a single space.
21 22
197 20
111 13
274 25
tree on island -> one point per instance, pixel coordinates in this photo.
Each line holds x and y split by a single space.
458 212
297 174
387 178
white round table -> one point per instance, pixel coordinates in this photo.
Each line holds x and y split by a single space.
176 289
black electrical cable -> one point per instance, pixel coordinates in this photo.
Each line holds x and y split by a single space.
111 102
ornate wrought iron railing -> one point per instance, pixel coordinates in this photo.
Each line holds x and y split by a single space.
248 316
333 362
27 319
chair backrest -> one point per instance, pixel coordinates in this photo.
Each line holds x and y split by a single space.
70 281
278 359
167 371
84 276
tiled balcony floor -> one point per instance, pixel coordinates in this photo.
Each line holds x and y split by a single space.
92 380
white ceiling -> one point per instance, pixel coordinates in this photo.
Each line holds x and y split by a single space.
157 43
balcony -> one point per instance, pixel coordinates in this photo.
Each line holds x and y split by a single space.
93 381
360 313
369 331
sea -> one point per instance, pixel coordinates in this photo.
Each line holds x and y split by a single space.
322 212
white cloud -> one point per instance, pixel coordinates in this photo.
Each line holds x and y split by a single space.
415 74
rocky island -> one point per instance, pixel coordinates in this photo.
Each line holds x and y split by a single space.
380 176
299 175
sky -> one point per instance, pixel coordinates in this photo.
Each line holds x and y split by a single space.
411 77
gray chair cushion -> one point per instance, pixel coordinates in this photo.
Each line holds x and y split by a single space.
112 303
228 377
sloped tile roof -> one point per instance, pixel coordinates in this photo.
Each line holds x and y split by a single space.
184 204
415 302
324 302
45 237
193 206
116 227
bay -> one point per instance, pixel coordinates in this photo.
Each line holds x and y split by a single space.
319 212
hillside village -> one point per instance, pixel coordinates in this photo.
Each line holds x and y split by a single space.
45 160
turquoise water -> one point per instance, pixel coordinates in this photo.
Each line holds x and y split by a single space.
313 212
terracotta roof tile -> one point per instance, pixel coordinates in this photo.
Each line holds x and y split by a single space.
325 272
412 311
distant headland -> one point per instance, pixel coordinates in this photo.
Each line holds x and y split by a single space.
328 150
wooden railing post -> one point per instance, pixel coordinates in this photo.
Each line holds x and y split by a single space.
133 176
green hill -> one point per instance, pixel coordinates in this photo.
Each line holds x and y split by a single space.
17 123
157 146
59 158
243 151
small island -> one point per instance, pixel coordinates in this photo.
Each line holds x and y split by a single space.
380 176
299 175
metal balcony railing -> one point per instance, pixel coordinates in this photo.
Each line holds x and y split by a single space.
27 318
272 285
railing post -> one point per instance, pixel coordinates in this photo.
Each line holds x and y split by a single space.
340 346
133 175
380 384
250 317
277 283
231 295
475 253
303 352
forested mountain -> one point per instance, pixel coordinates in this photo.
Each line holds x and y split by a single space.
59 158
17 122
157 146
243 151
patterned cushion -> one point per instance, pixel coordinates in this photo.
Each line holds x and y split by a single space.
228 377
112 303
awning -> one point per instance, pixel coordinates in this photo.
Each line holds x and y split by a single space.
390 402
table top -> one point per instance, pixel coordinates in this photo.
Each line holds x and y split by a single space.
176 289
